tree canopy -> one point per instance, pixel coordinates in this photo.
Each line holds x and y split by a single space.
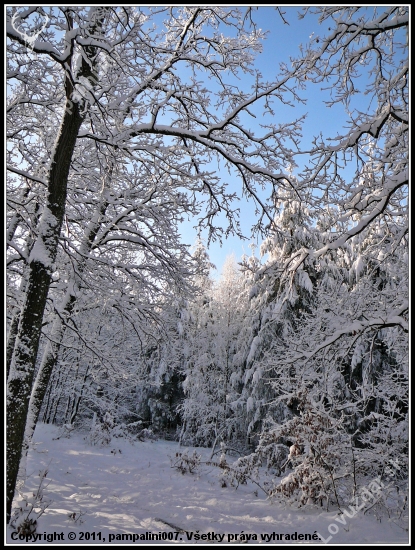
121 123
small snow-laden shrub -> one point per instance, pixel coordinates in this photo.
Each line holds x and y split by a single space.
104 431
274 455
101 432
240 471
320 457
124 431
31 507
133 432
269 454
327 466
306 485
65 431
147 434
185 462
315 450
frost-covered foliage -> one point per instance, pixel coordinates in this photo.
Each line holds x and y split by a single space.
331 300
300 358
334 360
211 411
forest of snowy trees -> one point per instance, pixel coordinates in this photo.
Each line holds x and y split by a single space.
118 120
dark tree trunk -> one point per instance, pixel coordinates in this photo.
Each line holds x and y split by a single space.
30 325
47 407
78 398
11 341
51 353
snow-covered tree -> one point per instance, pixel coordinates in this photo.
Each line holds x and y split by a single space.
360 178
134 80
340 358
210 412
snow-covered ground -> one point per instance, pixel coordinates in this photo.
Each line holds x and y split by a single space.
99 494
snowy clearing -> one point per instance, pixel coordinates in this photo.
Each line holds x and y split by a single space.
127 489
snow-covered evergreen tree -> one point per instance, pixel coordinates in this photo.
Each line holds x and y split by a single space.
210 409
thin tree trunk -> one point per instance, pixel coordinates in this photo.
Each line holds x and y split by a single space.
46 409
55 412
69 408
75 408
51 353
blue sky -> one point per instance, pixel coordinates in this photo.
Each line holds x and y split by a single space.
282 42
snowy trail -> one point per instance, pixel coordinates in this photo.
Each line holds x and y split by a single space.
137 492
